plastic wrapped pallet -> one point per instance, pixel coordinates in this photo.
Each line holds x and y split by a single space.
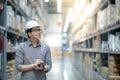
114 42
111 14
101 19
117 9
33 13
85 31
17 24
10 17
20 27
23 24
91 25
96 43
77 35
23 4
28 10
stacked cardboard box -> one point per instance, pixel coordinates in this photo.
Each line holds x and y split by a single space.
68 53
56 51
117 10
96 62
115 66
111 9
11 69
104 72
101 19
88 60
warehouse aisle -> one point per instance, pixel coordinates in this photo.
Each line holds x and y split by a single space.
70 68
64 68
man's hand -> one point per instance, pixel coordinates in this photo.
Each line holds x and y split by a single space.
45 69
38 65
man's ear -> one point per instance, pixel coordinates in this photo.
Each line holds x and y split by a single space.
29 34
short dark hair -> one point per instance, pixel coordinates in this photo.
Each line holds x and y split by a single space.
28 30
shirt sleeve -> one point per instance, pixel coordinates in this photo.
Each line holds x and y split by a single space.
48 61
19 58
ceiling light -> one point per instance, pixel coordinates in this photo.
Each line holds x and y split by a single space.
46 0
59 5
68 20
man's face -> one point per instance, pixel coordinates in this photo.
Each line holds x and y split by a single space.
35 33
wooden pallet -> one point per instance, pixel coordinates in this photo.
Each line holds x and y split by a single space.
114 77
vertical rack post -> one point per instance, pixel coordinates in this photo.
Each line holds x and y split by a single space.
100 60
108 61
4 58
83 73
92 66
108 74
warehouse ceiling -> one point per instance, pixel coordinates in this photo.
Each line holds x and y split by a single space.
51 6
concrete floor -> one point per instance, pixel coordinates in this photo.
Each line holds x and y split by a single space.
70 68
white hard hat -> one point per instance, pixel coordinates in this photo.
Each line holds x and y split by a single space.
31 24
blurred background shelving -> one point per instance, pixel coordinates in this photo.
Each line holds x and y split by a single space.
97 38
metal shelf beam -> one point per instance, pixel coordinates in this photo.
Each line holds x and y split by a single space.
13 32
91 50
112 27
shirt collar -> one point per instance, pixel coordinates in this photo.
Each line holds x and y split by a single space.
30 43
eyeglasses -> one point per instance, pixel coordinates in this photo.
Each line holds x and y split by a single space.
36 30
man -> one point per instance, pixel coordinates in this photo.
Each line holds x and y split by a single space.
33 57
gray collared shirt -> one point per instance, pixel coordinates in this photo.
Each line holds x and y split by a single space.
26 54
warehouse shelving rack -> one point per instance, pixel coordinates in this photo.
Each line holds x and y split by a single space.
84 46
88 48
6 33
42 11
99 7
14 35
